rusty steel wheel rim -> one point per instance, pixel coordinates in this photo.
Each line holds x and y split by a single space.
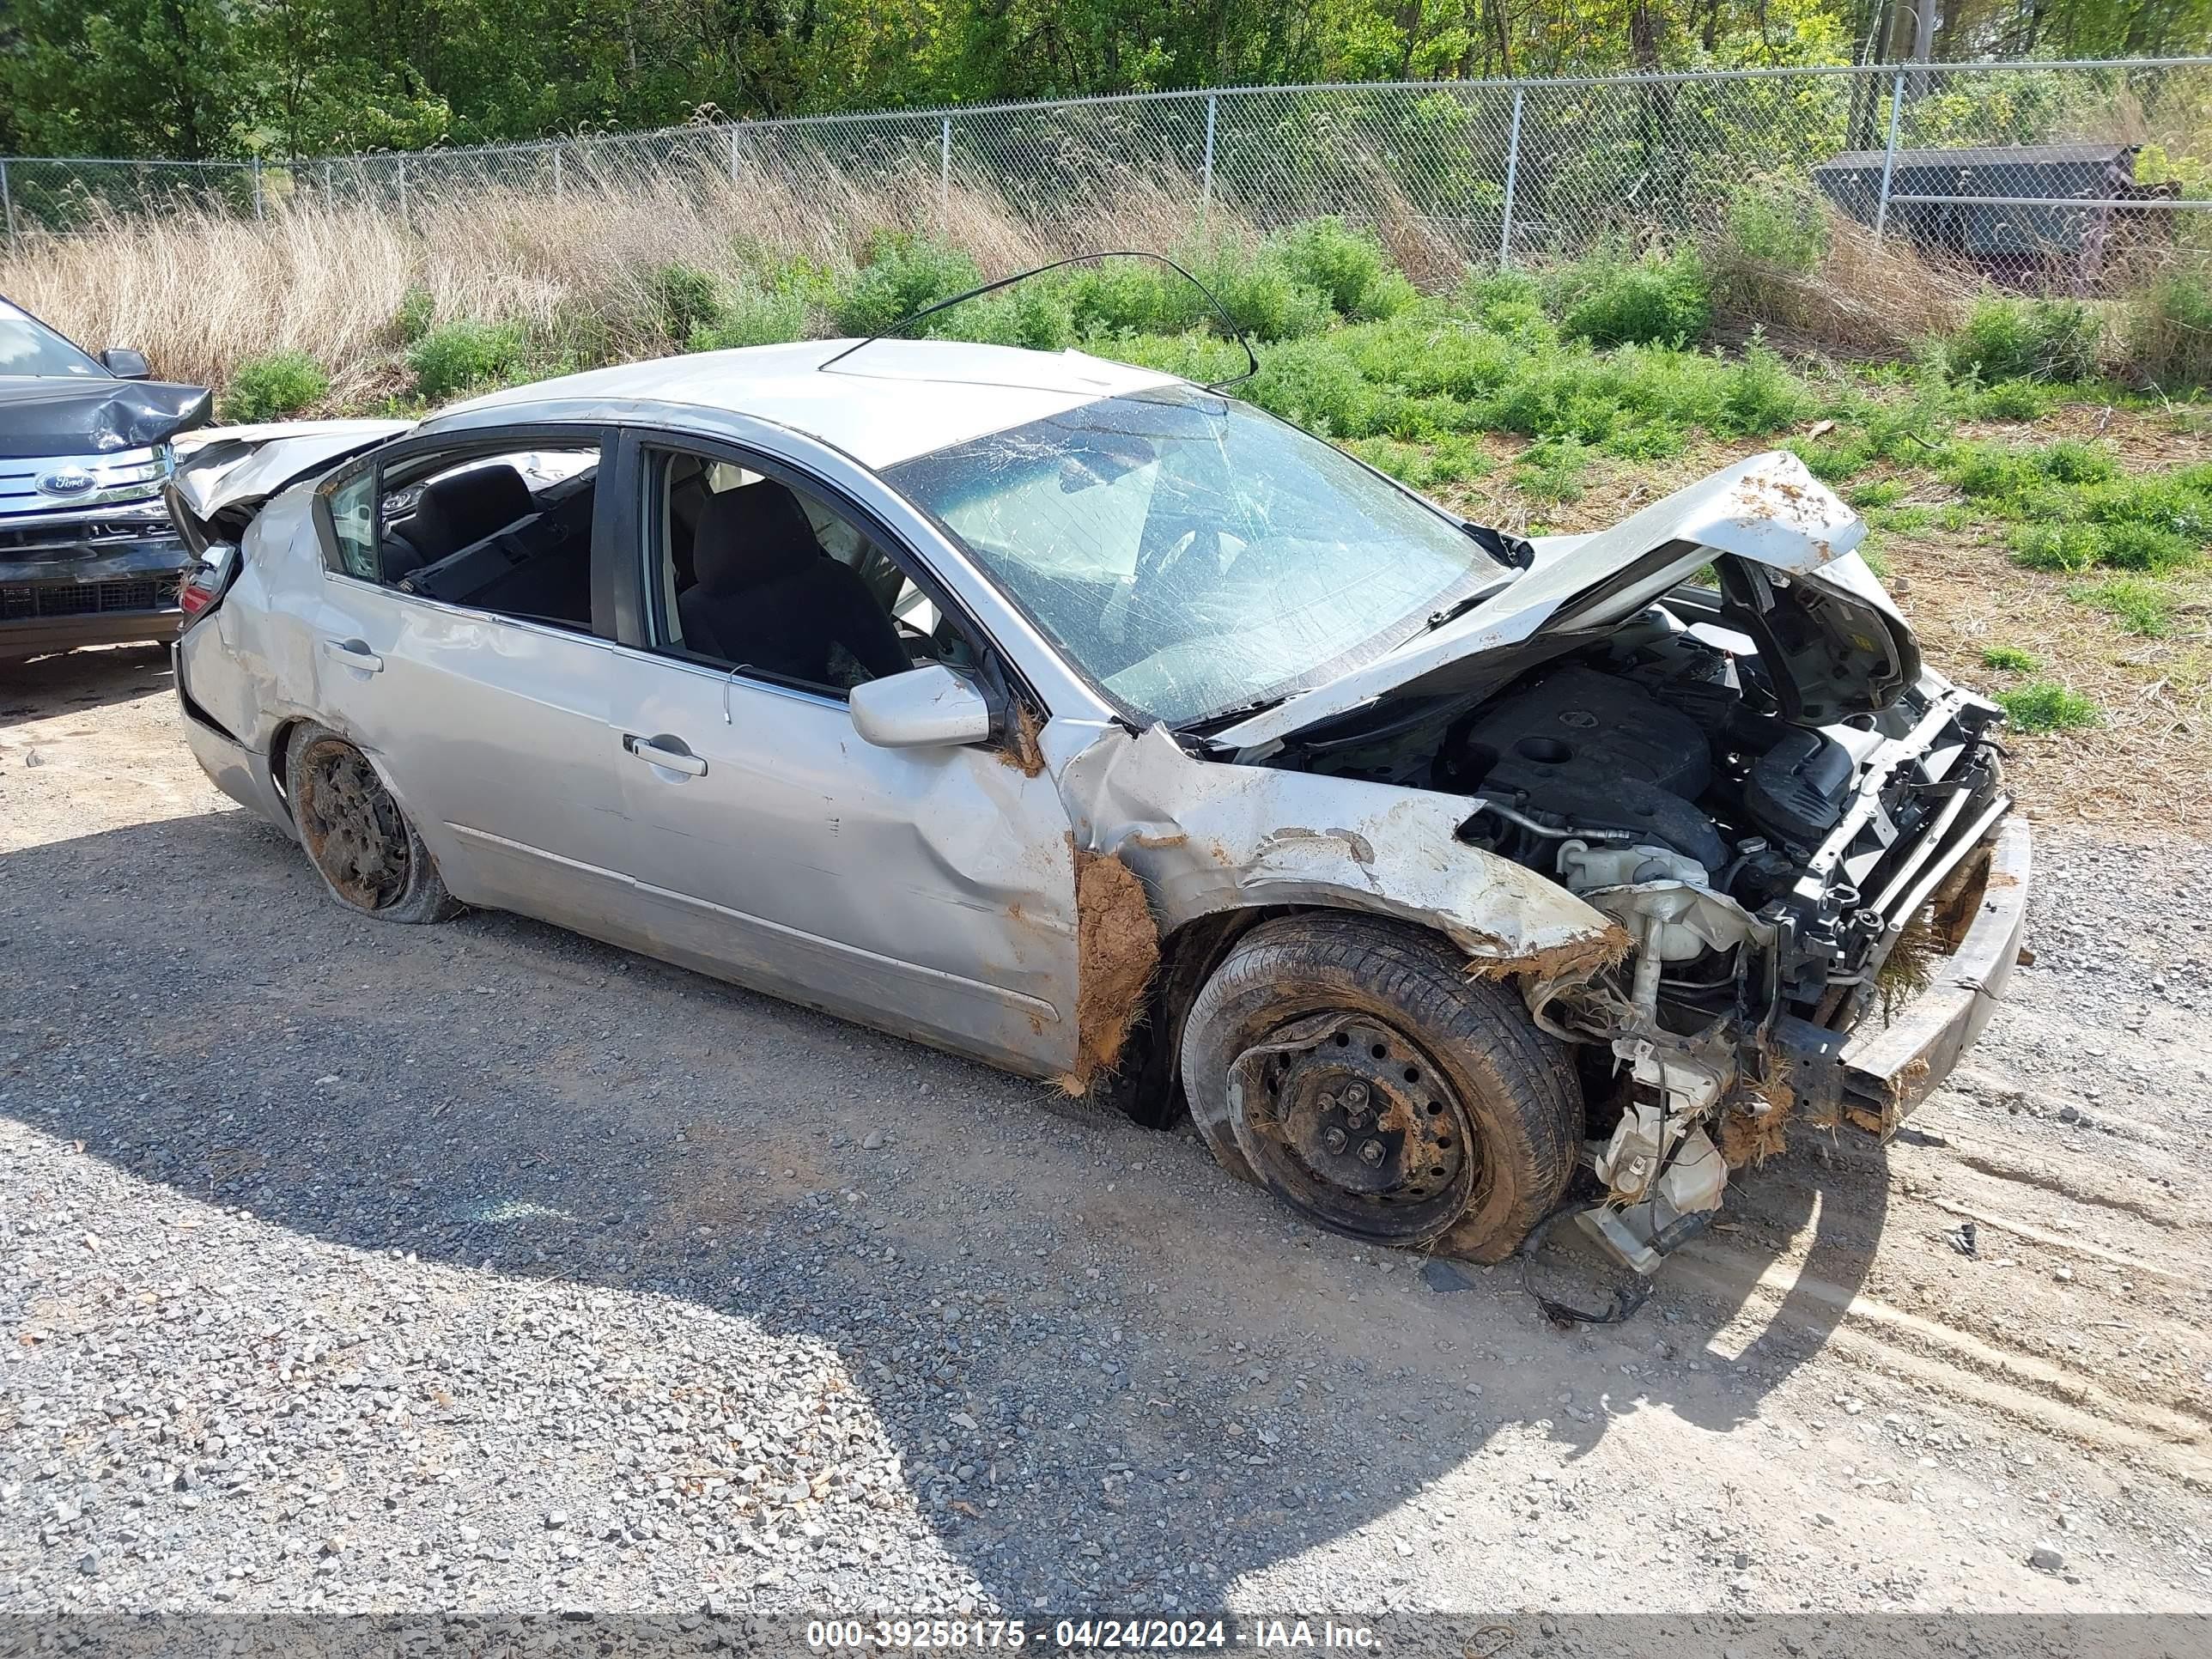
352 827
1358 1129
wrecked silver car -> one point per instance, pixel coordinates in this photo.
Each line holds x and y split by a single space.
1096 725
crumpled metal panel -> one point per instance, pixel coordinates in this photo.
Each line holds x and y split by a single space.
225 466
51 414
1206 837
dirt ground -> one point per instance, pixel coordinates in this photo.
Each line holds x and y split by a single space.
1840 1400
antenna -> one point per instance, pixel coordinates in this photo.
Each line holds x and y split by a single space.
1251 357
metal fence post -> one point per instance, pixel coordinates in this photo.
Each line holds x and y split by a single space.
404 216
733 155
1206 171
8 203
1512 181
943 176
556 167
1889 155
258 211
329 185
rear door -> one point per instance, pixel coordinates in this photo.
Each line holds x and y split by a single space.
487 718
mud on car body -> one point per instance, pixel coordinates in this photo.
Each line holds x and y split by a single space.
1096 725
88 554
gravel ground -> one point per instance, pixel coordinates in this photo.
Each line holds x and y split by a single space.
483 1268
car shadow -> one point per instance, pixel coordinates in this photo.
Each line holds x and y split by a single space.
91 678
1194 1382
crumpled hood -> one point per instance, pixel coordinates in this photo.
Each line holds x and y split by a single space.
65 416
1766 513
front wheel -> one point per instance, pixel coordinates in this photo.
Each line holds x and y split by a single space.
357 838
1350 1064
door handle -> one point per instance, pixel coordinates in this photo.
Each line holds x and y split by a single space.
653 754
355 654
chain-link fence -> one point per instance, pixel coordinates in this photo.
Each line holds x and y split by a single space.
2094 156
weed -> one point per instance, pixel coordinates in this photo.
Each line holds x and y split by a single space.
2068 548
267 388
2043 706
684 299
2006 338
462 356
1887 493
2169 331
748 316
2014 400
2009 658
906 273
1554 469
2140 607
2132 545
1347 267
1900 520
411 321
1775 224
1651 300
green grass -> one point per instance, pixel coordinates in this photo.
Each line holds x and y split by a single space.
269 388
2008 657
2007 338
1553 470
2042 706
2139 606
466 356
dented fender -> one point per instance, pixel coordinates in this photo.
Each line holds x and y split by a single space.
1208 836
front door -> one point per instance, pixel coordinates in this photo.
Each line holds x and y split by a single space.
924 891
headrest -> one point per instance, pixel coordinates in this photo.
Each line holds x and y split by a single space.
468 507
752 536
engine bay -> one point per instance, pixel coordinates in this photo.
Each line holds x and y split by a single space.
1663 753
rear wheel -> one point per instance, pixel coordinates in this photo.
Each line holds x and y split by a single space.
1349 1064
359 841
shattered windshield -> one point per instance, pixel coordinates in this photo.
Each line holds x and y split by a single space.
28 346
1195 557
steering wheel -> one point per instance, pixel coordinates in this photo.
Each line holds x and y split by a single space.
1171 571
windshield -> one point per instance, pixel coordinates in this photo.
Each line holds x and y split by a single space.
1192 555
28 346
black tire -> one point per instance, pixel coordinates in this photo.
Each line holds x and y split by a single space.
357 838
1372 1033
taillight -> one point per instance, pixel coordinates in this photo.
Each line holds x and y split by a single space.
203 584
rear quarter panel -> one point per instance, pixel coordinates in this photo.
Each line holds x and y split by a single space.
249 665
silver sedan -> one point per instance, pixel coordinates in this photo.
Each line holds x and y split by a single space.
1098 726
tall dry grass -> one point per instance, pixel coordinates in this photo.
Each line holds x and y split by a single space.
201 292
1865 297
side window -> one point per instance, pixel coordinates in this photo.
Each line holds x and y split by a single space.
503 530
353 524
753 574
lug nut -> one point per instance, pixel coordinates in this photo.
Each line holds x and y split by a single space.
1370 1153
1333 1139
1328 1102
1355 1096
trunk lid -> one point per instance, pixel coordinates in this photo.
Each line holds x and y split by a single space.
224 474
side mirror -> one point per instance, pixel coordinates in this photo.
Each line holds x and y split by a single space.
124 363
927 708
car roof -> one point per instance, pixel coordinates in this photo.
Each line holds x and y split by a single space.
883 404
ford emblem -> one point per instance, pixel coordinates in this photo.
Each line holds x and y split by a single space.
70 481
